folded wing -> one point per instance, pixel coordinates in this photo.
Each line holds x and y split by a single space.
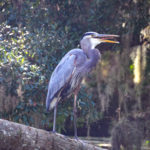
59 79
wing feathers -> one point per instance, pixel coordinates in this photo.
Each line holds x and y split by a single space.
59 78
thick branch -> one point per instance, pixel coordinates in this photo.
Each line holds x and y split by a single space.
14 136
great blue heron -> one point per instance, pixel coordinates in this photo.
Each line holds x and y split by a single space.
75 65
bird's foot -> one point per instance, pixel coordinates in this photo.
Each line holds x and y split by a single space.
76 137
79 140
53 132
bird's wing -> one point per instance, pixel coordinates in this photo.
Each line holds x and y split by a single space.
59 78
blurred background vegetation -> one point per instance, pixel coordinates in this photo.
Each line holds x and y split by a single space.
35 35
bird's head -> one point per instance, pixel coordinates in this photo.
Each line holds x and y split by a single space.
91 39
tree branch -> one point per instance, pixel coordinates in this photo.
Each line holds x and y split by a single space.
14 136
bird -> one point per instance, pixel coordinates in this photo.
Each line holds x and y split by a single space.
72 68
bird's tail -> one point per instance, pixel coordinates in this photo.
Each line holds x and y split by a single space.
50 102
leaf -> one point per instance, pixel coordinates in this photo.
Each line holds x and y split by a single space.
22 60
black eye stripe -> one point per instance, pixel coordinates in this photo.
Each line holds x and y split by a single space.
88 33
85 34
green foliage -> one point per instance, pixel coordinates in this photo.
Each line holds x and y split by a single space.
25 59
35 35
147 142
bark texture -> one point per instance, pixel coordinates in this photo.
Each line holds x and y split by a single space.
14 136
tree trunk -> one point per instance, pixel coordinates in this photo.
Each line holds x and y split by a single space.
14 136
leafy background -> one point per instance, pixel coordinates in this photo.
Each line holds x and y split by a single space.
35 35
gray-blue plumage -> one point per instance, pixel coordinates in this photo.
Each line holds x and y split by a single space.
68 74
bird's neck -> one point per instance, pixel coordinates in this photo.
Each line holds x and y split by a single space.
93 58
89 43
87 46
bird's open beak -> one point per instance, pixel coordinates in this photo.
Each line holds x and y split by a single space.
107 38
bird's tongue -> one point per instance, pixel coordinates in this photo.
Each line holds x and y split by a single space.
107 39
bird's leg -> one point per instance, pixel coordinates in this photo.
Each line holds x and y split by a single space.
54 121
75 115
